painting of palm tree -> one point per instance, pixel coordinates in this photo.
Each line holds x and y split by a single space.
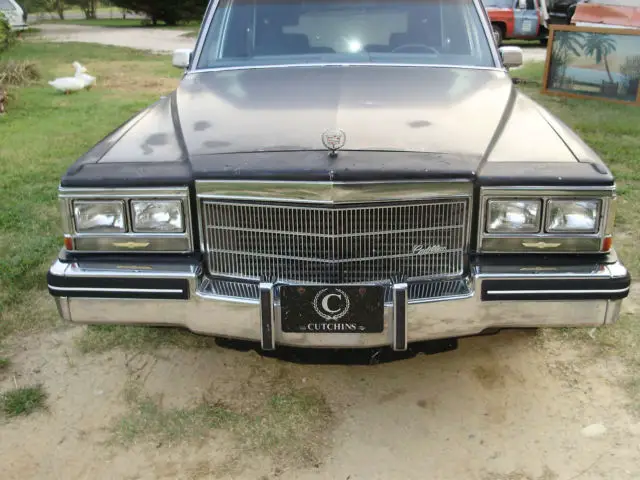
600 46
565 44
569 42
595 63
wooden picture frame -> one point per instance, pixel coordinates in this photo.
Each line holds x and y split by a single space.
599 71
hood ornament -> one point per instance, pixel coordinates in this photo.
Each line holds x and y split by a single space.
334 140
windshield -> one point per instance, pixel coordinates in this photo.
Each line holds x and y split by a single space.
280 32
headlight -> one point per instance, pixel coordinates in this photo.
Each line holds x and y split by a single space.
513 216
157 216
573 216
99 217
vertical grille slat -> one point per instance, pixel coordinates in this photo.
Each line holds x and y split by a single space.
335 244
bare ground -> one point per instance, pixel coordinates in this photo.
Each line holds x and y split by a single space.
160 40
506 407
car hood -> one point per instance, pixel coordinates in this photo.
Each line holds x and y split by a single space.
392 109
400 123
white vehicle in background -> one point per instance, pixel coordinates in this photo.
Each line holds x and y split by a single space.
14 14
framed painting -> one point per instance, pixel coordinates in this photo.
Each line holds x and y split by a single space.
593 62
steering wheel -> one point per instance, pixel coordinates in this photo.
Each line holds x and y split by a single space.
423 47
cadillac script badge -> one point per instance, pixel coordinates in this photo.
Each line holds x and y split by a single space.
334 140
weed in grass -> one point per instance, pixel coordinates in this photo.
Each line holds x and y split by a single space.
23 401
5 363
100 338
290 424
18 73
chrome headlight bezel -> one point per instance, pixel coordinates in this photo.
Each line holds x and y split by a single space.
544 240
130 240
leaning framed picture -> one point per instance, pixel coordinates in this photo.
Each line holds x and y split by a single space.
593 62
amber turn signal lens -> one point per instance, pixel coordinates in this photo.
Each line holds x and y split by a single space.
607 243
68 243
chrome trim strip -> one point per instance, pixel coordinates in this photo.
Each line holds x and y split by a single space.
332 192
400 308
543 292
342 64
97 193
549 191
204 33
116 290
62 304
488 32
267 317
613 311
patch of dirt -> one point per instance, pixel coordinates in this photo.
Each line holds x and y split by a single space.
505 407
158 40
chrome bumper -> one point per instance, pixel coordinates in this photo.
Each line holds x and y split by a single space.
493 296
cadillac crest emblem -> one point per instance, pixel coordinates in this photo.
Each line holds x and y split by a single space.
334 140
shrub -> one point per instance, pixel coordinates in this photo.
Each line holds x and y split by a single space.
7 35
18 73
169 11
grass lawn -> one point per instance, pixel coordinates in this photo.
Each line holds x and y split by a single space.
41 135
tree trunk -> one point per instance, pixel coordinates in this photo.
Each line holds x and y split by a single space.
60 9
606 65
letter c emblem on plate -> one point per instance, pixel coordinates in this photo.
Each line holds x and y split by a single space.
331 303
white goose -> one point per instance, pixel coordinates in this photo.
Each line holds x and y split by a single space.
67 84
81 72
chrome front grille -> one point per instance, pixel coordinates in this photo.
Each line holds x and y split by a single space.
417 292
335 244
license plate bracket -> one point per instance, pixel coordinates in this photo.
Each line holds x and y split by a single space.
322 309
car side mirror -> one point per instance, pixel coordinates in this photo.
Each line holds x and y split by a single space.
182 58
511 56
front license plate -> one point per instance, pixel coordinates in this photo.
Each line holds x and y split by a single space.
313 309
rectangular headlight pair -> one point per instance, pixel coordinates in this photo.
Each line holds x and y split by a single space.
525 216
147 216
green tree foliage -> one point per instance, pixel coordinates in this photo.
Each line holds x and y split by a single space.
49 6
7 36
169 11
88 7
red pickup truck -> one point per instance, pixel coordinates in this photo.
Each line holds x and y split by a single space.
527 19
